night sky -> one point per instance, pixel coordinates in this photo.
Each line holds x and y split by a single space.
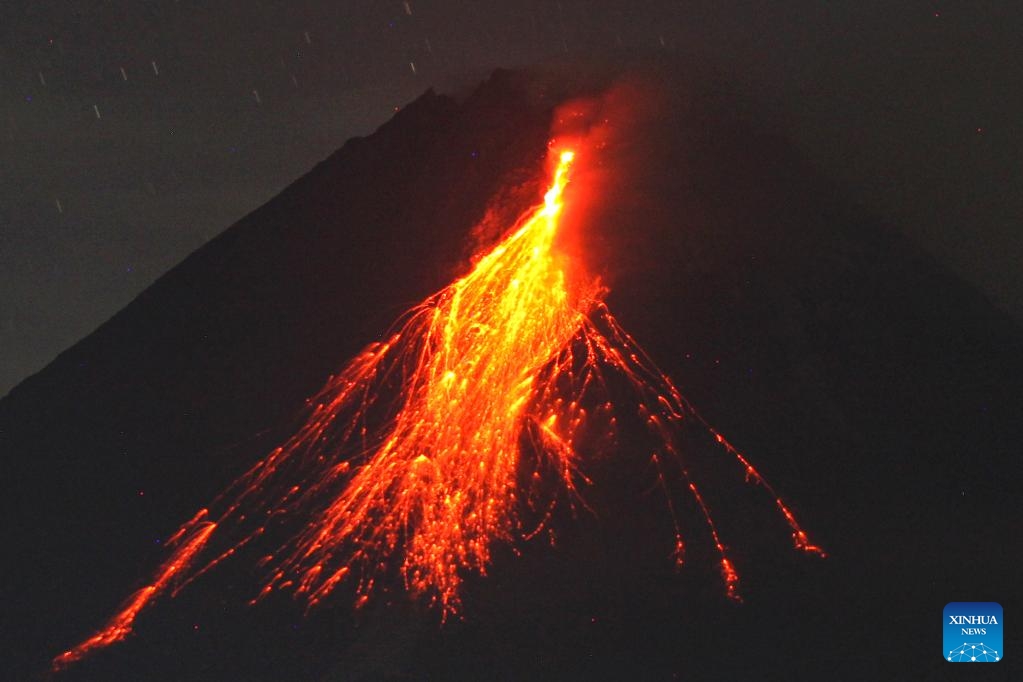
132 132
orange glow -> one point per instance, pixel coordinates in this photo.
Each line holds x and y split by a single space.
441 484
410 457
120 625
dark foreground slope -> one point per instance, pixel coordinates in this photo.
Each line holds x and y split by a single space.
879 393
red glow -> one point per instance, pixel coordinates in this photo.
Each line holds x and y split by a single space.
198 531
408 460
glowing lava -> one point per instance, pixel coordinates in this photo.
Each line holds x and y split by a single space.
410 457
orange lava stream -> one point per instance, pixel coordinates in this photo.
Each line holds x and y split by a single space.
411 455
198 532
441 485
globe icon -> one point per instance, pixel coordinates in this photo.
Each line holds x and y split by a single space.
973 652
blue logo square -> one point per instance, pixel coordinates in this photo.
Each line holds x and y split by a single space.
972 632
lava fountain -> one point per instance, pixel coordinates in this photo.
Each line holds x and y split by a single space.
410 456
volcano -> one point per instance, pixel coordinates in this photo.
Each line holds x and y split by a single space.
878 392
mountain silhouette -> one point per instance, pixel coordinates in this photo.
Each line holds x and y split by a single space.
878 392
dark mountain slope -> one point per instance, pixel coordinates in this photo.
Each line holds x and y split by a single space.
879 393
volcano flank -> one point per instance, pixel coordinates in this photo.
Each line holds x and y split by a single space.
877 392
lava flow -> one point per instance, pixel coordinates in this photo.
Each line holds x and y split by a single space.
410 458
